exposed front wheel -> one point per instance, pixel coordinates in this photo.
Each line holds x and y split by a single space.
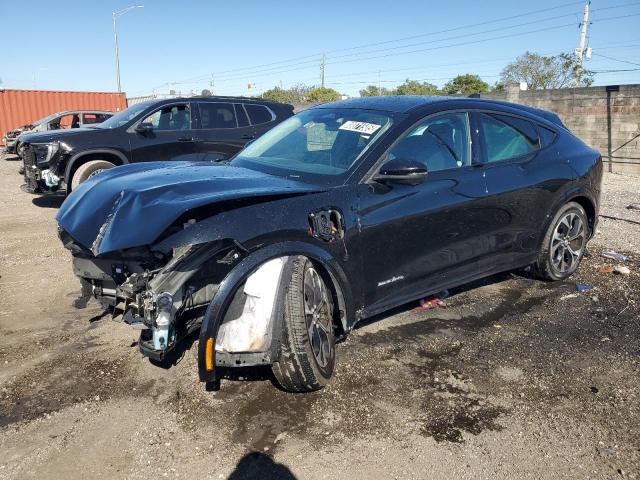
89 169
308 351
564 243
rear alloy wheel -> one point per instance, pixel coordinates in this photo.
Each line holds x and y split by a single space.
564 244
88 170
308 351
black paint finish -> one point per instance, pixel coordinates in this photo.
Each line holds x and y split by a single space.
397 242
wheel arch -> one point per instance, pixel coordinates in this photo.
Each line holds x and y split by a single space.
589 207
108 154
218 306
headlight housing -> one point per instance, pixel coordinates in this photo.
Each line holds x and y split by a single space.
45 151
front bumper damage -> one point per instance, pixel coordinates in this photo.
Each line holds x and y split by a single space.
167 303
39 175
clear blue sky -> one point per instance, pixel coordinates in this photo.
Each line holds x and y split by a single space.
68 45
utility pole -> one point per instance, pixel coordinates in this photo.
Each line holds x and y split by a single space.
114 16
322 71
580 50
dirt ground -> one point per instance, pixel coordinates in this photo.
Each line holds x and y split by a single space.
515 379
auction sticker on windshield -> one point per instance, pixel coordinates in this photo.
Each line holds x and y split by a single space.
360 127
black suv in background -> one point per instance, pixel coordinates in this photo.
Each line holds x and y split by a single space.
196 128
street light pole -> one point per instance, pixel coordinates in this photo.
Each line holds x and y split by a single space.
114 16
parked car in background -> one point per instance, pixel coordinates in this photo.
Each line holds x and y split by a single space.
195 128
56 121
339 213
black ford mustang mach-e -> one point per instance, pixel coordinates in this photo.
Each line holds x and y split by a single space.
337 214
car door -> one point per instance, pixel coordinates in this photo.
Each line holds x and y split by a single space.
169 137
418 237
223 130
523 177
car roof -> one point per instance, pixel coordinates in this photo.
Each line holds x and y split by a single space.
215 99
68 112
387 103
407 103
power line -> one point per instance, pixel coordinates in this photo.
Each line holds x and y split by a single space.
288 61
287 69
621 60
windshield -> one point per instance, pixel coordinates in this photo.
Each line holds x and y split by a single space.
122 118
45 119
316 143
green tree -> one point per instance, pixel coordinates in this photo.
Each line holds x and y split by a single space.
372 91
540 72
465 85
298 94
322 95
414 87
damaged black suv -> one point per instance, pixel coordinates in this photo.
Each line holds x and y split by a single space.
195 128
337 214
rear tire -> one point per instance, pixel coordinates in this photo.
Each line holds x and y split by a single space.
308 352
86 170
564 243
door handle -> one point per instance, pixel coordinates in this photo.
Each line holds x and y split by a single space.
248 137
185 139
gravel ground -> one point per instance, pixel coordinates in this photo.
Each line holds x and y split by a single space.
515 379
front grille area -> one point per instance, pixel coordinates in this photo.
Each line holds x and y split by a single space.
29 159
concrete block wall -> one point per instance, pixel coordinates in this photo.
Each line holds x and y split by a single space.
585 112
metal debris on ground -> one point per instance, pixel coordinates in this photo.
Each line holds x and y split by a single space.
622 270
633 206
583 287
571 295
433 301
615 256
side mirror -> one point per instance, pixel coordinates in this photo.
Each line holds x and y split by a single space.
402 170
144 128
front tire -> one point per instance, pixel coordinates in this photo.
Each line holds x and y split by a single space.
564 243
87 170
308 347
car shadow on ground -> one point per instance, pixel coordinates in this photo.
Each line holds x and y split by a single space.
264 373
498 278
48 201
258 465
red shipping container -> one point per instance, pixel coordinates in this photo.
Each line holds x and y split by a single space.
21 107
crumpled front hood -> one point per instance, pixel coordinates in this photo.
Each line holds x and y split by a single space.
132 205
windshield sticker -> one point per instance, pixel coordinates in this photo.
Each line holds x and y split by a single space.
360 127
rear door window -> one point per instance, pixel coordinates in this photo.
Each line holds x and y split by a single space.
170 117
217 115
258 114
507 137
91 118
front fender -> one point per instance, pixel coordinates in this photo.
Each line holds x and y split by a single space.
217 308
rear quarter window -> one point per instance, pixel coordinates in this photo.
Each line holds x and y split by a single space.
546 136
507 137
258 114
